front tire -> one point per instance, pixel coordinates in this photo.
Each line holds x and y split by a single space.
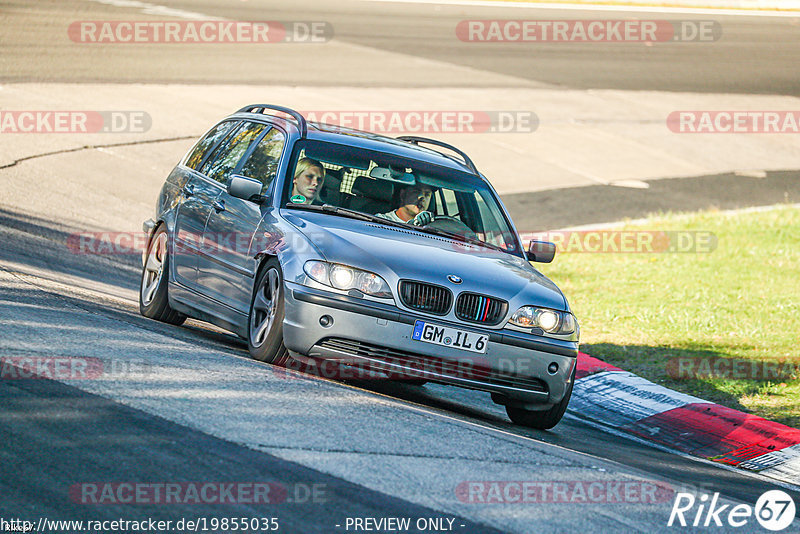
153 298
265 323
545 419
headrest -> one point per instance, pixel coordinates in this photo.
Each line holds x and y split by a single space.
380 190
334 173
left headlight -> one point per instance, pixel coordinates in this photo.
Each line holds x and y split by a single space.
346 278
551 321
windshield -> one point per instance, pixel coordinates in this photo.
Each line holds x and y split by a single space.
400 190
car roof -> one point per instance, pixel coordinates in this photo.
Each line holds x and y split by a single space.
318 131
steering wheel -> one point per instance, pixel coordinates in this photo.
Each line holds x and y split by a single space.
451 224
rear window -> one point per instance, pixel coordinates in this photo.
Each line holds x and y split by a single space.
204 146
226 158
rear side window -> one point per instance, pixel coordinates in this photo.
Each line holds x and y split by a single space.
263 162
227 157
207 143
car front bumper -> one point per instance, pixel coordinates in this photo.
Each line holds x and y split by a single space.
379 336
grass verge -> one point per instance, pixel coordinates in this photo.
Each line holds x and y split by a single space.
722 325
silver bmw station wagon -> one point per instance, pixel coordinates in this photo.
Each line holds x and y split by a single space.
318 243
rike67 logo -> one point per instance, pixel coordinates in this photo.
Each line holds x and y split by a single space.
774 510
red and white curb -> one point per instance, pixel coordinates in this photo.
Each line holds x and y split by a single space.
629 403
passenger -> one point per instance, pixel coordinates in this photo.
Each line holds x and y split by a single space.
308 178
413 202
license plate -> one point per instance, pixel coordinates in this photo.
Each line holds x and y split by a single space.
450 337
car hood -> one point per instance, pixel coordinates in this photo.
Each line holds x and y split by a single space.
396 253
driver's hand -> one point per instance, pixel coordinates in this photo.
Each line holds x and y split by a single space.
423 218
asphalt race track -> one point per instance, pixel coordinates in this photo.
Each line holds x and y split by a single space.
186 405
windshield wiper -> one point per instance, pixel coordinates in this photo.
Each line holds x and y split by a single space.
461 237
353 214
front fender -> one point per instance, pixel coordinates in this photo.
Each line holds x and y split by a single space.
278 238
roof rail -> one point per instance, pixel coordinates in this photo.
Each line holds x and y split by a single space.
261 108
417 140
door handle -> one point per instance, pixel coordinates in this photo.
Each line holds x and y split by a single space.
188 190
218 206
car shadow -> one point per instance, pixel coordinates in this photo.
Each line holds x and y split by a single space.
54 246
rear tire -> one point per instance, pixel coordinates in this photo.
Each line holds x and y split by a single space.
545 419
265 323
153 297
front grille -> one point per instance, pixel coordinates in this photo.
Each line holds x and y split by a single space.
475 308
426 298
474 368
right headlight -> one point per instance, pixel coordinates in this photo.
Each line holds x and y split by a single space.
346 278
551 321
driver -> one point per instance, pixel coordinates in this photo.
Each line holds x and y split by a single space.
413 203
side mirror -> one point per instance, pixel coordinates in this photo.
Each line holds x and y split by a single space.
541 251
245 188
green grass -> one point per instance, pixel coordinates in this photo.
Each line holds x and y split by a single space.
741 301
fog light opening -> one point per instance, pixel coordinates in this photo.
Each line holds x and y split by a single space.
325 321
552 368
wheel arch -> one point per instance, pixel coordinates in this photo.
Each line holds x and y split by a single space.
261 261
167 219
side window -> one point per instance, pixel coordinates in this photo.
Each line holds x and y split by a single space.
227 156
449 202
492 231
263 162
206 143
487 217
